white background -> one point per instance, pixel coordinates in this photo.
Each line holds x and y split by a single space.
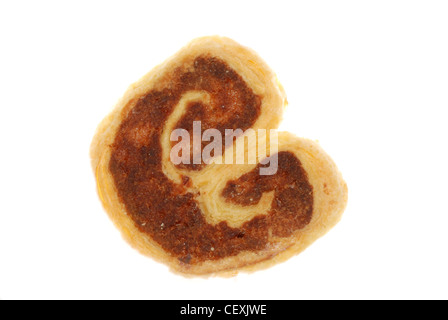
368 79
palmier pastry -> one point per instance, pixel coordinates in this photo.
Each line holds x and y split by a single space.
209 216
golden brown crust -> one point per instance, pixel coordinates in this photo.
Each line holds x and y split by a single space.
329 189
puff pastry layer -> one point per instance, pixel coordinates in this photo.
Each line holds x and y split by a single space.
212 218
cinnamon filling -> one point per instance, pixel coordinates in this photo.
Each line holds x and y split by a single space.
170 214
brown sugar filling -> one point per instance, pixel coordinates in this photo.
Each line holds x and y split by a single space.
170 214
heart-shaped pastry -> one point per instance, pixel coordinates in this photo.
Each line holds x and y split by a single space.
244 200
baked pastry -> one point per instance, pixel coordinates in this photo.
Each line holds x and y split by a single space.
205 217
